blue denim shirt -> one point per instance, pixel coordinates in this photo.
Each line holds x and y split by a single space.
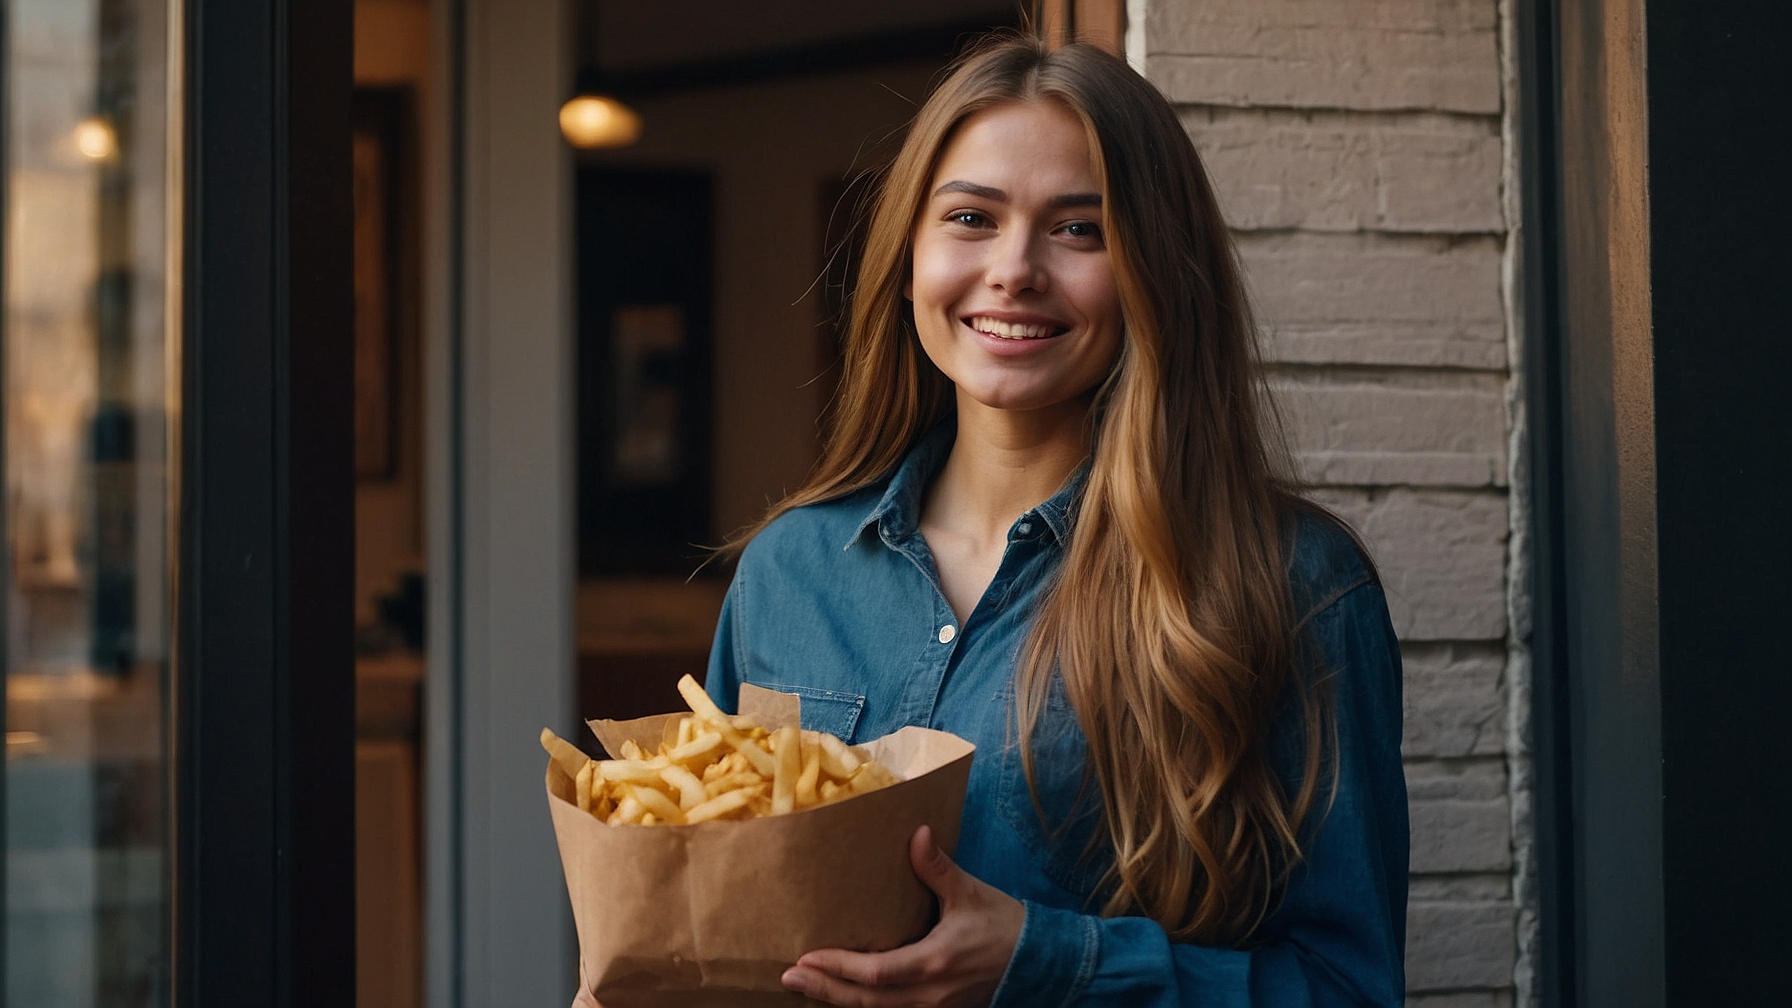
840 603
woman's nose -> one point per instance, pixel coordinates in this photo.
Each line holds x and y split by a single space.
1015 267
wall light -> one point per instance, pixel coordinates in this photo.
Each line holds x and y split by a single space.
591 121
95 139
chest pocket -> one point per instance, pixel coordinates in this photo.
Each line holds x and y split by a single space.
1062 828
830 711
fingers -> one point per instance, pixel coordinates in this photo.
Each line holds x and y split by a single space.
937 871
879 979
818 985
899 967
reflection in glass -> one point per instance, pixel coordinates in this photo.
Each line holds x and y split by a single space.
87 365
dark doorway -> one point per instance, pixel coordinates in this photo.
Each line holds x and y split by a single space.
706 340
644 363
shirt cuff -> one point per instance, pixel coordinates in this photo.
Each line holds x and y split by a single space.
1053 961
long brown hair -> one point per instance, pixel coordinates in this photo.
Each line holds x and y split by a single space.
1171 620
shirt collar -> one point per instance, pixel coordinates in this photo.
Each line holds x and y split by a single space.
1059 510
897 513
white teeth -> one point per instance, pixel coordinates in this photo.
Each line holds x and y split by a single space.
1012 330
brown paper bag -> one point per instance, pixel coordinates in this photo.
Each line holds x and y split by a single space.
712 914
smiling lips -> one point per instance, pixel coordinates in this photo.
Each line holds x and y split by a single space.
1015 330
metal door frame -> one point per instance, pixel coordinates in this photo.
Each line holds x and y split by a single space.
1658 329
498 352
263 692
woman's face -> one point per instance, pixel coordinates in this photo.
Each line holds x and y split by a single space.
1013 290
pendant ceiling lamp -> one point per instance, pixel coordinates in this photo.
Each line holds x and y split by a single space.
592 119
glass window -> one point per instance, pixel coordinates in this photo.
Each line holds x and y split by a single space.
88 361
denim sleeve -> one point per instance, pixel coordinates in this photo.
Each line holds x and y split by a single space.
1337 938
722 681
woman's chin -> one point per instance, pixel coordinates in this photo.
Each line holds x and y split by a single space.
1010 399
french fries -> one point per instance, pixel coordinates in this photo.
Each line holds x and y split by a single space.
564 753
713 766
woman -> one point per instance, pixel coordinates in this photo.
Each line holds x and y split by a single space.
1052 518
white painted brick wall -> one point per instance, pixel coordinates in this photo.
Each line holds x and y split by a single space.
1350 171
1471 999
1357 54
1459 811
1455 699
1357 149
1459 943
1396 427
1442 557
1377 298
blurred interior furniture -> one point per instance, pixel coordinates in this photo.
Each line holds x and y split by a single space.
389 581
637 636
388 842
644 367
645 505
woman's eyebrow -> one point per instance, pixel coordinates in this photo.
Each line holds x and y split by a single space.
1082 199
972 189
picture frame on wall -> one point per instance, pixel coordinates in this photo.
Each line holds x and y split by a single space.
644 415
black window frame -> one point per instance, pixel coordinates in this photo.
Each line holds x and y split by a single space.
263 693
1659 677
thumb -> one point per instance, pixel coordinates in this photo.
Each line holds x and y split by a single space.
937 871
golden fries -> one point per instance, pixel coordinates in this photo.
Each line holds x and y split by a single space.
811 773
564 753
706 709
713 766
690 789
582 785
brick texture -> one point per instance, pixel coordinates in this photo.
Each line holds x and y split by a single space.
1353 54
1356 147
1460 816
1396 427
1471 999
1442 555
1455 700
1377 298
1456 945
1337 171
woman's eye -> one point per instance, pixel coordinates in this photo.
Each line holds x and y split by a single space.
1082 229
967 218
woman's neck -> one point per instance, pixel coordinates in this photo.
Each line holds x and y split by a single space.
1003 464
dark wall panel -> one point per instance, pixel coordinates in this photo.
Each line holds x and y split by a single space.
1721 218
264 701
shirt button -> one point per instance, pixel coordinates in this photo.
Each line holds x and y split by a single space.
1025 527
948 632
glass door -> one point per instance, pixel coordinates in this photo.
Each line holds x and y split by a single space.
88 344
176 362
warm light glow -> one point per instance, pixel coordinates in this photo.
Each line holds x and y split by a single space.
95 140
26 743
591 121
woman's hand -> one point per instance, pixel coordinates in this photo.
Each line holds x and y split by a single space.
958 964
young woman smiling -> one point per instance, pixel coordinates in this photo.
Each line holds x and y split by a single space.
1054 517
